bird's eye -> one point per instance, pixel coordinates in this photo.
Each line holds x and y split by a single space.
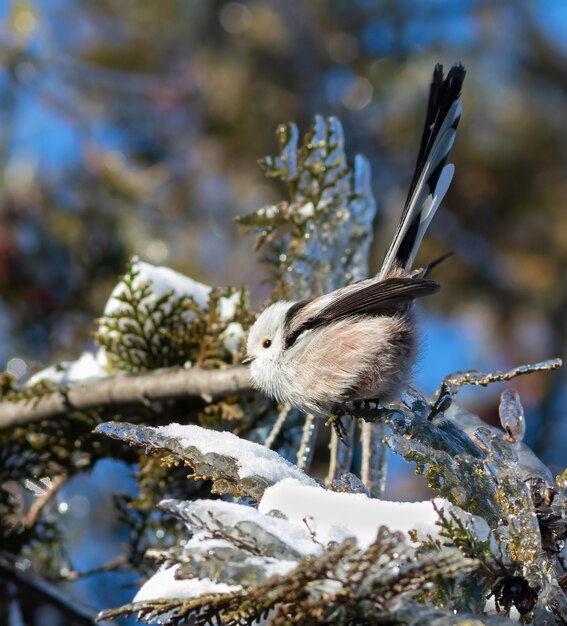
266 343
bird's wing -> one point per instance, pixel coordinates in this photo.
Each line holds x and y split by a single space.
379 297
383 297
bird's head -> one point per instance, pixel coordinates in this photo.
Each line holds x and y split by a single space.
266 338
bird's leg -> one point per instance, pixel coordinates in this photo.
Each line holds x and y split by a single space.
364 409
370 410
372 404
340 430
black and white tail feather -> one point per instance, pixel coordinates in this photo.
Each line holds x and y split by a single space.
432 175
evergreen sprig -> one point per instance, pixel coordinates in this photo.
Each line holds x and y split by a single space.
222 469
145 330
487 475
500 538
345 585
319 239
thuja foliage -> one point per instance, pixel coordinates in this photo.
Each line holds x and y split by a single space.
501 529
144 329
156 318
149 323
500 534
318 240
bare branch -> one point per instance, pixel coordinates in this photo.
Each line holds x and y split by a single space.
115 564
472 377
30 586
128 390
41 501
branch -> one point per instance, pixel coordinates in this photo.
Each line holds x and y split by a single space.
30 585
134 389
110 566
473 377
41 501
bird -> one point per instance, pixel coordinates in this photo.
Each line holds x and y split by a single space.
360 342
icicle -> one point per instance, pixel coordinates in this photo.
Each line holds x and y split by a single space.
276 428
341 453
374 457
511 414
307 443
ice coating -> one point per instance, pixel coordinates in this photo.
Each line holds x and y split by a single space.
253 459
237 516
511 414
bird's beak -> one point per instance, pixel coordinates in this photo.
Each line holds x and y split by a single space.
247 360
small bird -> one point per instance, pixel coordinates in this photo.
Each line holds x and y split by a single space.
359 342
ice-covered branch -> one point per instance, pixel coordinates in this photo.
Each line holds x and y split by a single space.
128 390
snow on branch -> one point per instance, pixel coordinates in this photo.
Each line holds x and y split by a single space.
492 541
242 564
310 554
237 467
181 339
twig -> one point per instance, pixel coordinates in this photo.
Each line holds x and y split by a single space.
39 503
15 615
278 425
374 458
116 563
30 585
127 390
472 377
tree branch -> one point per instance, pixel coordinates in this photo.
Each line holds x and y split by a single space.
115 564
41 501
32 586
133 389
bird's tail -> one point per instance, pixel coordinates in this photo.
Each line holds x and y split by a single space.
432 175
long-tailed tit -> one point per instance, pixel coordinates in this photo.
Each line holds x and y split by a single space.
359 342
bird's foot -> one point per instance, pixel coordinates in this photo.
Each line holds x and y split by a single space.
338 426
364 409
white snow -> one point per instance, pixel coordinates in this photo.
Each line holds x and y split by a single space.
269 211
306 211
333 516
309 517
227 306
164 585
232 337
87 366
230 514
253 459
163 280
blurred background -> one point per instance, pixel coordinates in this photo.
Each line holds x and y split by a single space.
134 127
